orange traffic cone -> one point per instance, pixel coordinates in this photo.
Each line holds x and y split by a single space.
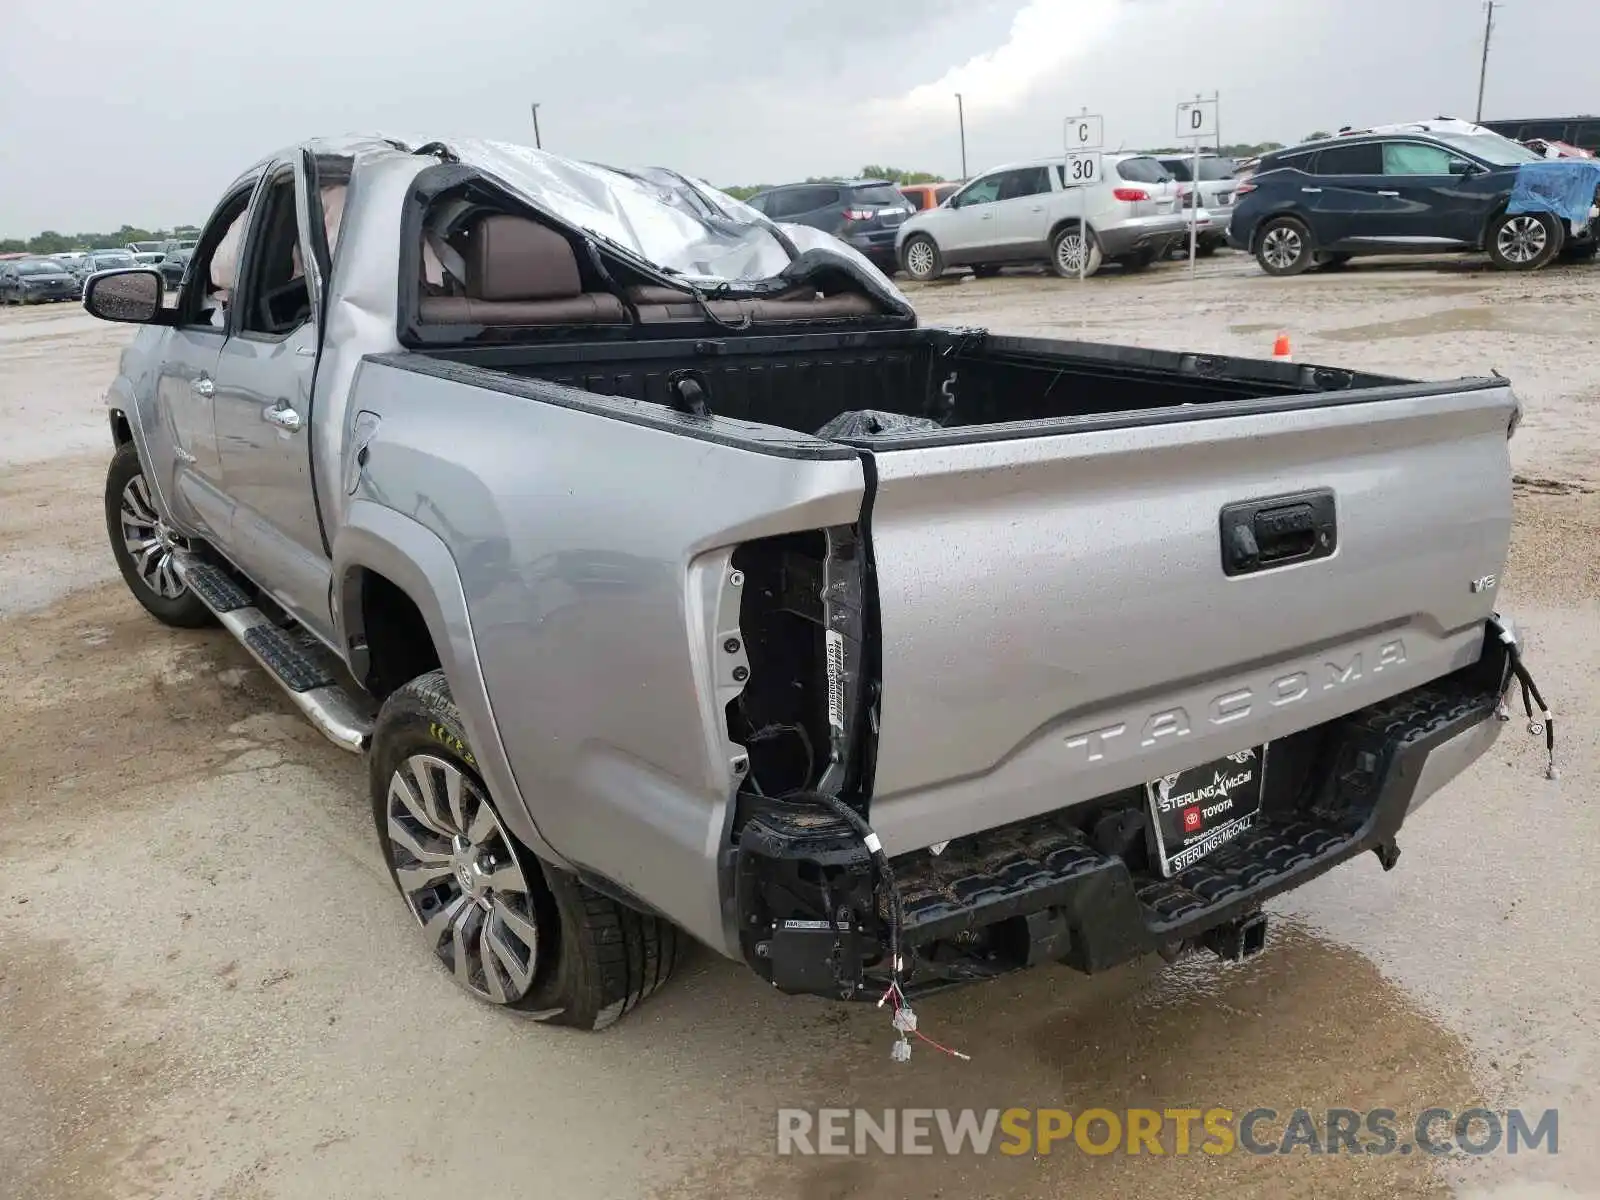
1280 349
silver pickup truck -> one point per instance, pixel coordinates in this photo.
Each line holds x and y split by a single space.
672 578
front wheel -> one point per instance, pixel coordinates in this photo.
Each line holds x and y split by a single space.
1072 253
921 259
1284 247
1524 241
509 931
144 545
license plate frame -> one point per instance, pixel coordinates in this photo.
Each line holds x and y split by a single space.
1197 811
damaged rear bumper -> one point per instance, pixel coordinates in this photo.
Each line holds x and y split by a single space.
1074 886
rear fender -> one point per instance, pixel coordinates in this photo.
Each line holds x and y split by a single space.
1067 223
412 557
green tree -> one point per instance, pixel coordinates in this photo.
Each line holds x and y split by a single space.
896 175
1318 136
49 242
52 242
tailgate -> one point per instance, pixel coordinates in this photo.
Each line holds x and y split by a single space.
1057 623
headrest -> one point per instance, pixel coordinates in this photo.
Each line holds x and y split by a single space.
512 258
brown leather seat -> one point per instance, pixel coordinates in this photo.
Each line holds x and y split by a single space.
521 273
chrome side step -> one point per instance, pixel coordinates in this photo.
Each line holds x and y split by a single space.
293 663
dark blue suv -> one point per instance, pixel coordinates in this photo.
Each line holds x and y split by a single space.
863 212
1323 203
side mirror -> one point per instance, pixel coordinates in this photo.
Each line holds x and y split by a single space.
1457 167
129 294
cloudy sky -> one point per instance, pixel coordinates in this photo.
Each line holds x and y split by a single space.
141 112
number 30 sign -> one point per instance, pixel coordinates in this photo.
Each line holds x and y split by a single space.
1082 169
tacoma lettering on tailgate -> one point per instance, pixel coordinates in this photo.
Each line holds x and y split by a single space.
1167 724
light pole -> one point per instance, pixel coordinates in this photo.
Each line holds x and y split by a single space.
1483 67
538 145
961 119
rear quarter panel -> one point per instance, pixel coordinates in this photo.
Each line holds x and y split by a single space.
588 533
1277 193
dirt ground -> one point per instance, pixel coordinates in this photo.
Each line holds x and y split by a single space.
208 989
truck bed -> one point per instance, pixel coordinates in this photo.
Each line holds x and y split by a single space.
1054 608
964 379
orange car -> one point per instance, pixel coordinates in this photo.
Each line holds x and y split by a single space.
928 195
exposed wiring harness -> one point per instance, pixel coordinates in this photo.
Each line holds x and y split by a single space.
880 858
1544 722
905 1022
904 1018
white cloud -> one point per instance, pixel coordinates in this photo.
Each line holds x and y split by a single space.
1045 35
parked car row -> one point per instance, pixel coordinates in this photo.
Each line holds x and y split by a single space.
46 279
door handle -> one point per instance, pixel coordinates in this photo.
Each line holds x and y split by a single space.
282 416
1311 190
1258 535
1388 193
203 387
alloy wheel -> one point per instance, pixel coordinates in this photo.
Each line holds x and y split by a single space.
150 541
1282 247
461 878
919 259
1070 252
1522 239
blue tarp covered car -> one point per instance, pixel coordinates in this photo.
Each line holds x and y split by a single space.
1563 187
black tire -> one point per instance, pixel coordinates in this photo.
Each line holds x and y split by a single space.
1524 241
985 270
1063 260
929 263
1284 247
596 958
126 517
1580 251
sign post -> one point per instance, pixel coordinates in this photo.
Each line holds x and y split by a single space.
1197 121
1082 168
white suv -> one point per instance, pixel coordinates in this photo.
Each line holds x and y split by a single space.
1025 212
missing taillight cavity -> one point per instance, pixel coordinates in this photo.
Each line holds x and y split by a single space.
802 618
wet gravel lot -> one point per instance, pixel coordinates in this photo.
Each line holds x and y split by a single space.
208 989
